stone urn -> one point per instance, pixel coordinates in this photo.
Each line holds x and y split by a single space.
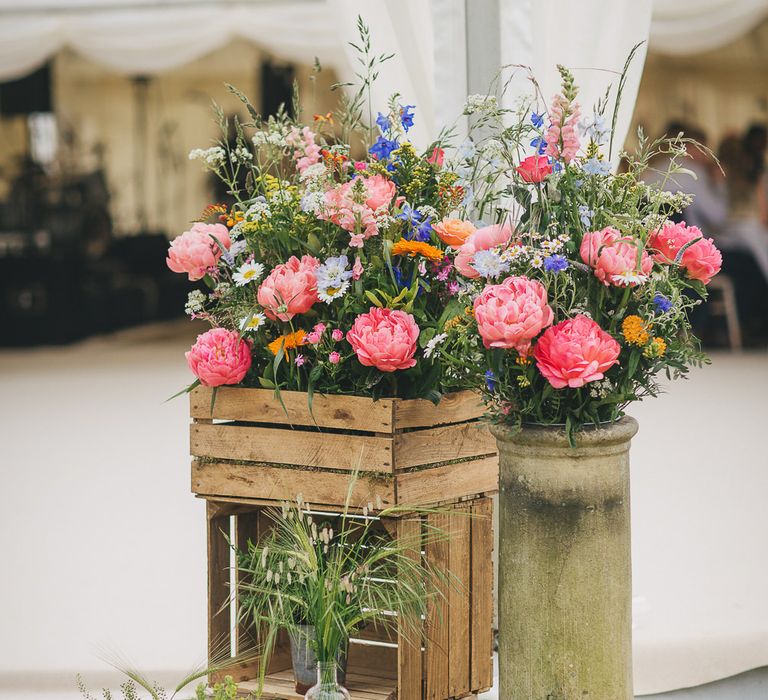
565 578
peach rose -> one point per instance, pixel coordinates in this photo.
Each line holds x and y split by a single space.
613 256
481 239
384 339
702 260
219 357
512 314
454 232
196 252
290 289
575 352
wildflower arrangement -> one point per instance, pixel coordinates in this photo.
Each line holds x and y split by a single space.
329 273
579 294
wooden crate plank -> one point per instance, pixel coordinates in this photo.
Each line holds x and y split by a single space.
449 482
298 447
280 484
482 594
458 603
453 408
409 657
436 551
219 634
441 444
246 528
261 406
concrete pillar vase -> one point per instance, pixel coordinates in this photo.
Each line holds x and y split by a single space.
565 578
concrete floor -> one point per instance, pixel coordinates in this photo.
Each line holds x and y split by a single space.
106 544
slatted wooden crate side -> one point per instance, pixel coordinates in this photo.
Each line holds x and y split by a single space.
219 631
442 444
304 448
410 669
449 482
482 595
270 483
459 619
436 644
456 407
261 406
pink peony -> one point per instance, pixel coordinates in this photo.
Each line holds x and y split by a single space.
384 339
702 260
482 239
575 352
219 357
195 252
380 191
512 314
534 168
289 289
614 258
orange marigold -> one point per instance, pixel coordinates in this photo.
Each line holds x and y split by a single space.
289 342
414 248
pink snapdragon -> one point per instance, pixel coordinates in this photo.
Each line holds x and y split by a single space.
614 258
701 260
384 339
562 137
219 357
196 252
512 314
290 289
575 352
481 239
306 151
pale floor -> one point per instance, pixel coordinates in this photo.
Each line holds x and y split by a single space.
103 545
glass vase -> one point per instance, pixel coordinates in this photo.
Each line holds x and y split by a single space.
327 686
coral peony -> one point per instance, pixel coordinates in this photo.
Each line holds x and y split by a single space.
454 232
512 314
482 239
219 357
534 168
196 252
702 260
575 352
614 258
290 288
384 339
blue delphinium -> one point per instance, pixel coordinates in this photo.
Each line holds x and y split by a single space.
661 303
593 166
384 124
406 116
585 215
490 380
539 144
383 148
537 119
419 226
555 263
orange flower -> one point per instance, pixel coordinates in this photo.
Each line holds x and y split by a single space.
324 118
414 248
288 342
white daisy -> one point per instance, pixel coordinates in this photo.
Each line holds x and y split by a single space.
248 272
332 290
537 261
252 323
628 278
431 346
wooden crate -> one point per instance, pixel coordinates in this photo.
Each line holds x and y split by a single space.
251 452
454 659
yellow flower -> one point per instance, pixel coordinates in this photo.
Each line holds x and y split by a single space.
289 342
523 381
235 218
656 348
523 360
635 330
414 248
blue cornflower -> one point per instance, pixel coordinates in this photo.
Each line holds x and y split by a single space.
593 166
383 123
539 144
406 116
383 148
661 303
490 381
555 263
537 119
585 215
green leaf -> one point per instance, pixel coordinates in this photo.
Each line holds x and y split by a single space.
185 390
266 383
209 282
373 298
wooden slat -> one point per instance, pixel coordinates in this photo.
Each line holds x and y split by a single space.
409 657
218 589
246 528
448 483
279 484
458 603
261 406
482 594
453 408
437 618
441 444
298 447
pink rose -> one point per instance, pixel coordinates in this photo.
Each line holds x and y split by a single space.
384 339
334 358
337 335
534 168
289 289
512 314
481 239
702 260
614 258
195 252
219 357
575 352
